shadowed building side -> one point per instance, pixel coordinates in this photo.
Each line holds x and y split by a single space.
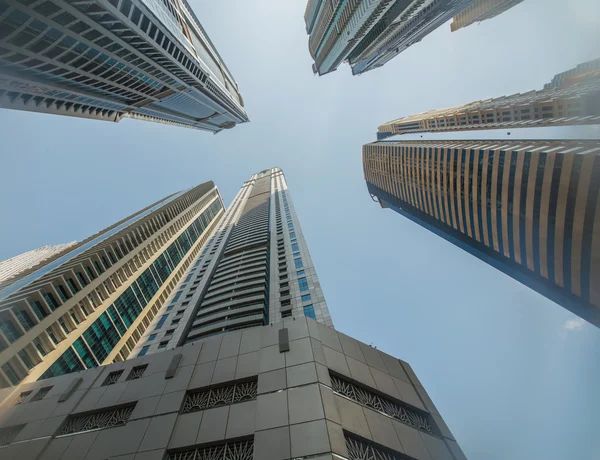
529 208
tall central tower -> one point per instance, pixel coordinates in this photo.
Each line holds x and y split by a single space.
255 270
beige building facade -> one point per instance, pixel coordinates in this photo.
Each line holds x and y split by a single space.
575 102
91 305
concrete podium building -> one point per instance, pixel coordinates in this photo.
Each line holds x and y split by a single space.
241 362
529 208
108 60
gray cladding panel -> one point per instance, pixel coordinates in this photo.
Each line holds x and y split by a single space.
295 413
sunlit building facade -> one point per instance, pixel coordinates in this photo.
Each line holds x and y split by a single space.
529 208
91 305
109 60
480 10
256 269
368 33
572 98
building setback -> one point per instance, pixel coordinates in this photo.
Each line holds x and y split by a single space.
369 33
256 269
529 208
91 305
480 10
109 60
571 98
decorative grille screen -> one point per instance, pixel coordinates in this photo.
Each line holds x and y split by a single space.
97 420
396 410
239 450
212 397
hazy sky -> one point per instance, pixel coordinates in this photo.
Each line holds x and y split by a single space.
515 376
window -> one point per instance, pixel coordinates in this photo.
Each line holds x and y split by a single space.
283 285
153 336
303 284
176 298
309 311
189 277
295 247
143 351
306 298
175 321
286 314
284 293
180 312
170 307
170 331
285 303
163 344
161 322
292 234
298 263
300 273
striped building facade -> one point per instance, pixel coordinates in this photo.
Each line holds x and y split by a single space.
529 208
564 102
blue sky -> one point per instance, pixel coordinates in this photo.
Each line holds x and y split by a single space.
514 375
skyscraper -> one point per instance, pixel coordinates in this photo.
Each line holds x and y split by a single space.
91 304
255 270
480 10
18 266
571 98
108 60
260 372
529 208
369 33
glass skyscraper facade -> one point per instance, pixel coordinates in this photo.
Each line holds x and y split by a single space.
529 208
108 60
369 33
92 304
